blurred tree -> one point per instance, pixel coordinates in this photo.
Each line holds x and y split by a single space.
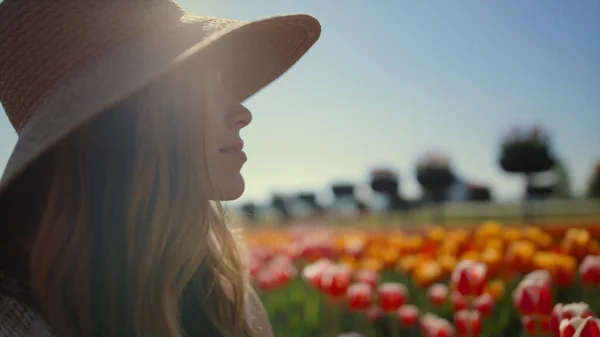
479 193
527 152
310 199
278 203
386 182
562 188
435 176
593 191
344 198
249 210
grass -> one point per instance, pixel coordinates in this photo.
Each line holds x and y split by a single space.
571 213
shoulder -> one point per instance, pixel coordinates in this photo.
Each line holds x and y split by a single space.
257 317
17 319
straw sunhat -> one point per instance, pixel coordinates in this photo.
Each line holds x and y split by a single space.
63 62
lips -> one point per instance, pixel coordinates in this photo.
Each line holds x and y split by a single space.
235 150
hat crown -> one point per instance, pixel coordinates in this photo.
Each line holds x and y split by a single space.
44 42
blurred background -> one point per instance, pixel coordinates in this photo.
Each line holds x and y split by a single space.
413 123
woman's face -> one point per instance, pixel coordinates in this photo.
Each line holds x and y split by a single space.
226 116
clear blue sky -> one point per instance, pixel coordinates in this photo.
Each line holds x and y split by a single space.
391 79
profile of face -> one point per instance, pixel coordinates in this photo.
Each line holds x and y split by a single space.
225 118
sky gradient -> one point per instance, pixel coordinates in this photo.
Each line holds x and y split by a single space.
391 79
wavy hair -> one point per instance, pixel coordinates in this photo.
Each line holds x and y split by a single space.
127 240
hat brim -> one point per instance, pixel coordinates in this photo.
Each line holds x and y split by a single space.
251 55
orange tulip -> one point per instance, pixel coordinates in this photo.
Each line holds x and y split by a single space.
511 234
436 234
488 230
496 289
449 247
407 263
447 263
412 244
565 269
577 243
373 251
349 261
492 257
472 255
427 273
389 256
396 241
519 256
544 260
370 264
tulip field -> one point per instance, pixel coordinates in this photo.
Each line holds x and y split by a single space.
493 280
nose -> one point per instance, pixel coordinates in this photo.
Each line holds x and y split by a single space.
240 117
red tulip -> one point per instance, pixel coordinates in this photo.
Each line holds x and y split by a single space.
535 325
367 276
359 296
437 294
292 250
336 280
374 314
545 327
408 315
313 272
580 327
589 270
428 319
351 334
568 311
254 267
467 323
391 296
283 269
469 278
263 253
529 325
316 247
434 326
484 304
265 280
354 248
539 276
283 274
459 302
533 296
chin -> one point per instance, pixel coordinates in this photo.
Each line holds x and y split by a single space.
231 189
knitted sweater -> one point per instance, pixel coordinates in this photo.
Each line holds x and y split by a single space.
18 319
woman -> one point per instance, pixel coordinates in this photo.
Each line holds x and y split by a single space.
128 115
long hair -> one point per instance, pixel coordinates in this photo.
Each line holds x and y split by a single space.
127 241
